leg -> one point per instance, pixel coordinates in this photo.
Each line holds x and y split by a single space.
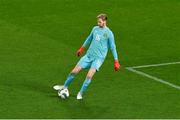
86 83
76 69
91 73
71 76
83 63
96 64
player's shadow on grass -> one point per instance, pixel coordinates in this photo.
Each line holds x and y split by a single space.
39 87
43 88
84 109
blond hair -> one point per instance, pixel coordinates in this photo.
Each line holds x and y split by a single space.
102 16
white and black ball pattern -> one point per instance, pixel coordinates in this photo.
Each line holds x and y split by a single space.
63 93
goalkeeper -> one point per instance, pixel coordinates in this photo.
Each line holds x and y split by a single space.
100 40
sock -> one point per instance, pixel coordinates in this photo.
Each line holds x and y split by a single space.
85 85
69 80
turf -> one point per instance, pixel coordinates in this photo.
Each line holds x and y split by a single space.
168 73
38 41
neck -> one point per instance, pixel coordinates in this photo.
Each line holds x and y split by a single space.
103 26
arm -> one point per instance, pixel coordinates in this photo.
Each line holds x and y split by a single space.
112 46
88 39
86 43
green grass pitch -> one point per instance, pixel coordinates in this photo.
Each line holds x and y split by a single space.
38 42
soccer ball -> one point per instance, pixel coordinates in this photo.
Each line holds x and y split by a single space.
64 93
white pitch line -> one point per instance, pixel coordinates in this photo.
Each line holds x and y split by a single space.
155 65
153 78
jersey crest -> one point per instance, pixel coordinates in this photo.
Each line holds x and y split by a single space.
105 35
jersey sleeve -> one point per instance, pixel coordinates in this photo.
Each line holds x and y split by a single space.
112 46
88 39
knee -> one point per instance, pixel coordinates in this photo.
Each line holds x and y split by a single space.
91 74
89 77
75 71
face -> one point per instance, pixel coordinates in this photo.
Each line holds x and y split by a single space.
101 23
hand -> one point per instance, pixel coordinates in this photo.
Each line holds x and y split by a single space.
116 65
80 51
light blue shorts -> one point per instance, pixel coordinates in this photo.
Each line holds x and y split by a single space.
90 62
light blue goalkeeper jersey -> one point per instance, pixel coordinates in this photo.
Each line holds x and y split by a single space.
100 40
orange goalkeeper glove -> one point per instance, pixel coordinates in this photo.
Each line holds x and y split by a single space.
116 65
80 51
